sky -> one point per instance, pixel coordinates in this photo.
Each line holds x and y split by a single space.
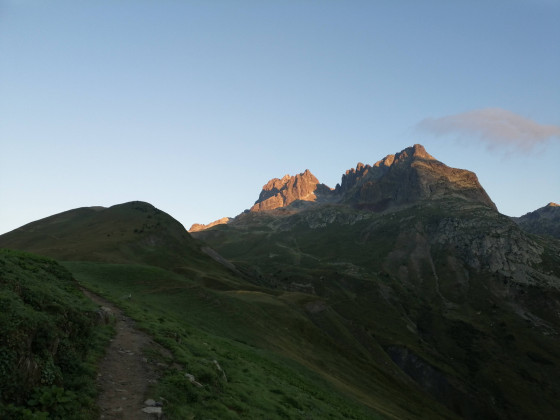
193 106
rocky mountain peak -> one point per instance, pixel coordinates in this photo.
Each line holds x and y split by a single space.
400 179
418 151
406 177
282 192
353 177
551 204
408 155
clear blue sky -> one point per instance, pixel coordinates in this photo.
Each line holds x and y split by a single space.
194 105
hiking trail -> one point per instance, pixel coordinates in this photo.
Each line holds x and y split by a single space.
125 373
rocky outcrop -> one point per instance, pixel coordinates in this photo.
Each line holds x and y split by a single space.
197 227
408 177
282 192
353 177
543 221
356 177
496 246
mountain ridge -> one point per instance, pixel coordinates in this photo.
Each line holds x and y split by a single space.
403 178
542 221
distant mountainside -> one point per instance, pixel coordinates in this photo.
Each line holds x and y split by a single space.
410 258
543 221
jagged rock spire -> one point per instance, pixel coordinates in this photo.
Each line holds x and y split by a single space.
282 192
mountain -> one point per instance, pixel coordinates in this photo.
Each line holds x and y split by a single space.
404 178
401 293
407 177
409 259
543 221
283 192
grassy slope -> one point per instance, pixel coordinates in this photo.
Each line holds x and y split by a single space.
278 364
281 362
47 330
378 273
126 233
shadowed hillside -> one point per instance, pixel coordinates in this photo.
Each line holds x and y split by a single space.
543 221
414 262
455 298
131 232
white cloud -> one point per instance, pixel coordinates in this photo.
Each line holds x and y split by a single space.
494 126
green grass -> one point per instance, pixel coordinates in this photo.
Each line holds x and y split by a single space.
468 323
49 341
278 362
176 312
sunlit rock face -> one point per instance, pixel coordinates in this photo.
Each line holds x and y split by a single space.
198 226
400 179
282 192
403 179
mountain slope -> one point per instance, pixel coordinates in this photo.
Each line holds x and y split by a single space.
414 263
279 362
543 221
455 298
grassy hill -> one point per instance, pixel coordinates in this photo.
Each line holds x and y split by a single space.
134 232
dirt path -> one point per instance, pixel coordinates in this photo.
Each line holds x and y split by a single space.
125 373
